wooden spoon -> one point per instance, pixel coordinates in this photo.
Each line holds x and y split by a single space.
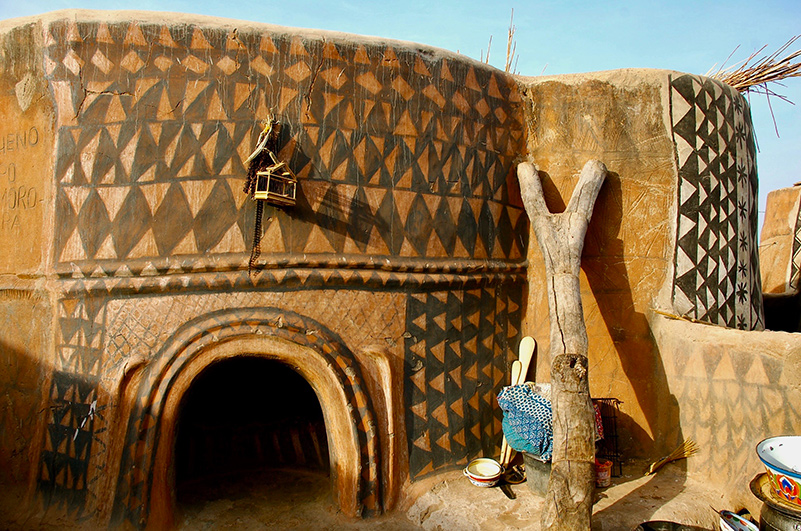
519 373
517 367
526 353
506 450
517 370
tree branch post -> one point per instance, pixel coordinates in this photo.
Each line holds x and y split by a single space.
568 503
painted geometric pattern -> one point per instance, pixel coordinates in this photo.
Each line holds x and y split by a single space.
137 327
192 275
99 335
729 402
132 499
458 348
716 270
398 154
74 419
795 264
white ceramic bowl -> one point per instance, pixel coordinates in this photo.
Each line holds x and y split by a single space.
782 459
483 472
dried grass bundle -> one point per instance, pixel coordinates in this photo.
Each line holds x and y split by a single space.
511 46
685 449
756 72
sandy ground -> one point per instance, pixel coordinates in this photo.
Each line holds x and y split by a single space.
302 500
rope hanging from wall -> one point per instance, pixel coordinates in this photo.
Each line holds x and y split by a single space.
268 179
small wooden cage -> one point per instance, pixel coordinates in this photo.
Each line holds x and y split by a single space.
277 185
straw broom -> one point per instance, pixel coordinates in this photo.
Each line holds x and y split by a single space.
685 449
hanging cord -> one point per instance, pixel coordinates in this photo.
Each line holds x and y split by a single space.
262 156
256 251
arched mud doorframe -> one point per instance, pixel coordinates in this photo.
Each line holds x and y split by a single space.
317 353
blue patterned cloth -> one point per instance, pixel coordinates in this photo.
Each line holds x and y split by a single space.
527 420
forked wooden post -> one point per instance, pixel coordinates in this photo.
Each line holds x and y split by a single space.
568 503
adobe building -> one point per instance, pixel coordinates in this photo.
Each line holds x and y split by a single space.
389 300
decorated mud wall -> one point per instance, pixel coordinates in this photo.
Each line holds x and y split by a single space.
671 245
406 246
780 257
400 282
729 392
780 243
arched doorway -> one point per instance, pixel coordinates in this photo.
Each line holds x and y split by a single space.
250 428
145 493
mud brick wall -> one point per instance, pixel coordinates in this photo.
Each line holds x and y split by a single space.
408 235
401 281
729 391
672 239
673 230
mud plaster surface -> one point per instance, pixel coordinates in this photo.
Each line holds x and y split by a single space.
301 500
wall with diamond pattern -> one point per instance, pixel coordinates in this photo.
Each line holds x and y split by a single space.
396 149
408 241
408 237
717 264
673 229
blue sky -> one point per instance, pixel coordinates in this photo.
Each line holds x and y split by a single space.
555 36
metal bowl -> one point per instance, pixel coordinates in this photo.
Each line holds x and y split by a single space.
483 472
782 459
730 521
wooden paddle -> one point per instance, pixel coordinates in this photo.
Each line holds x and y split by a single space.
505 449
519 372
525 355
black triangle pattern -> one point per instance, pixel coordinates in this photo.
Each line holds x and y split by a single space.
759 397
149 161
72 417
67 448
461 341
716 264
795 265
131 500
151 164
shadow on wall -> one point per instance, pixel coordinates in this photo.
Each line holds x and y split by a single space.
23 375
630 332
609 280
604 265
782 312
319 204
20 378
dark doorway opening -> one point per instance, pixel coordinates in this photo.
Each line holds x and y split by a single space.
246 424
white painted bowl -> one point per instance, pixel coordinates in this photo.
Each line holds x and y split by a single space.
483 472
782 459
730 521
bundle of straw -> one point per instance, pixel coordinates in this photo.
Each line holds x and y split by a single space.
756 72
685 449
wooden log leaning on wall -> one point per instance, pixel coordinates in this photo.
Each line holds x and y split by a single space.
568 503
